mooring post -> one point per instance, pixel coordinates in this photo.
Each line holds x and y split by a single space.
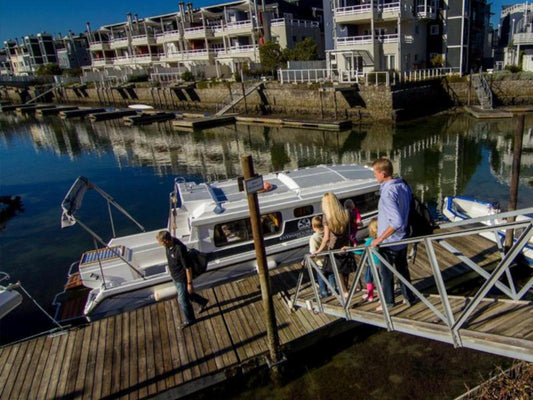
515 174
264 279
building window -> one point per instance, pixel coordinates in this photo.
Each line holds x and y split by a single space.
434 30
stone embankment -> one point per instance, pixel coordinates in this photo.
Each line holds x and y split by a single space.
356 102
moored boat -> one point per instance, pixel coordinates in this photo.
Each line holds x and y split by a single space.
130 271
459 208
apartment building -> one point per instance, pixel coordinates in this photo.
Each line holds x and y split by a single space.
209 41
404 35
514 41
72 51
18 57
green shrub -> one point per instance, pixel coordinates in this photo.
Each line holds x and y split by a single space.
513 68
456 78
187 76
202 85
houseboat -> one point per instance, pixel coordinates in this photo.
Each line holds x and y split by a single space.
213 217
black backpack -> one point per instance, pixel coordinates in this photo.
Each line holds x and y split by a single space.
197 262
419 222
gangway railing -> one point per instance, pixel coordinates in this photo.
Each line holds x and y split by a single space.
450 324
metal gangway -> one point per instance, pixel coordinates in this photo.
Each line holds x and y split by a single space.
499 323
225 109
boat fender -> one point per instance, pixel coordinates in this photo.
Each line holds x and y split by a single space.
267 187
165 293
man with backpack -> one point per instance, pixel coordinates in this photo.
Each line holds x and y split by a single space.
179 266
393 216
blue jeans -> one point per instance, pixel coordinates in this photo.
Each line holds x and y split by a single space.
330 276
184 300
398 259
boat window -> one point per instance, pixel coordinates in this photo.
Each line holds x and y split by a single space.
303 211
365 202
232 232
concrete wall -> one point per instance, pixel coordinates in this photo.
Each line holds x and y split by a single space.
361 104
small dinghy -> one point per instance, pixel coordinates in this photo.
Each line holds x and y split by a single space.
459 208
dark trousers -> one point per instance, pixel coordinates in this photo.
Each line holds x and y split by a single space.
398 259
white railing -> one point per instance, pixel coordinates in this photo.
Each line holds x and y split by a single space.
304 75
300 23
353 10
168 34
367 39
118 41
237 49
234 25
351 40
523 38
390 7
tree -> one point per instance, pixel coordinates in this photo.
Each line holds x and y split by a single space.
48 70
270 53
305 50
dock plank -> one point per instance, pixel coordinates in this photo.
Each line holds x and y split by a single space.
100 360
61 378
40 388
40 366
29 375
88 378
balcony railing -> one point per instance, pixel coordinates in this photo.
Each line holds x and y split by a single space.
353 10
237 50
233 26
367 39
523 38
300 23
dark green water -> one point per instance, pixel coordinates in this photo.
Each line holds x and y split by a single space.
40 159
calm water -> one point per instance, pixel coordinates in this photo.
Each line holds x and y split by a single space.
40 159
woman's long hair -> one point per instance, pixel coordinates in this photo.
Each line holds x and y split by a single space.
335 213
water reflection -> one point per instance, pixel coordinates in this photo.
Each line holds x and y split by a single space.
438 156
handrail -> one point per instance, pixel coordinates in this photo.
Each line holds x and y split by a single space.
453 323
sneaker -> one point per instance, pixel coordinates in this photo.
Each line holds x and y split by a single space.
185 325
202 307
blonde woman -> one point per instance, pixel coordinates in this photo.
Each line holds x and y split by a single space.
336 235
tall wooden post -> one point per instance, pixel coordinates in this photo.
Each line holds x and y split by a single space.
515 173
264 279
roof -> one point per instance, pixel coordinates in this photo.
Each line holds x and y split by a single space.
288 187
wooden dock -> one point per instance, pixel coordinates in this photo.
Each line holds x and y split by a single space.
310 124
480 113
203 122
107 115
80 113
142 353
54 110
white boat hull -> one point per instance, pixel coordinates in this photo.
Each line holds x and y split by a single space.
460 208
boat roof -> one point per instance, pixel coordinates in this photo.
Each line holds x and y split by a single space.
216 200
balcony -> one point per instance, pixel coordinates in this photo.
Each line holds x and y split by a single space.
424 11
99 45
297 23
234 28
249 51
119 43
364 42
189 55
143 40
198 32
357 13
99 62
524 38
165 37
390 10
145 58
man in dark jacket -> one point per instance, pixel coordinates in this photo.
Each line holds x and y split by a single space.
182 276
